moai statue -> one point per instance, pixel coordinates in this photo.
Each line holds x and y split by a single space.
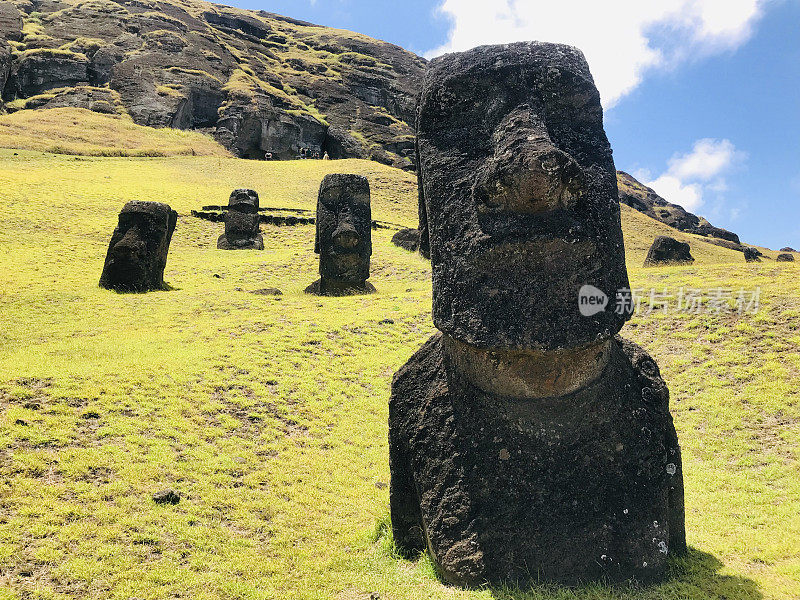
344 236
526 440
138 250
666 250
241 223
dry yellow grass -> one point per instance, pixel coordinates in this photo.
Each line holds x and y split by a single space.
80 131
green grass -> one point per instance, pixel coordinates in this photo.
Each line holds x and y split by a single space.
269 415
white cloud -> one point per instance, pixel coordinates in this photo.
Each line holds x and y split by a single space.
622 39
672 189
691 175
707 159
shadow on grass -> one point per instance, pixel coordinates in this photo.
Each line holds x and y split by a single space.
693 577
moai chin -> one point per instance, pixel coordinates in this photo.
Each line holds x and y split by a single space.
241 223
527 440
344 236
137 254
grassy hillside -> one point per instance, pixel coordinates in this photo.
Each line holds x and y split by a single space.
83 132
269 414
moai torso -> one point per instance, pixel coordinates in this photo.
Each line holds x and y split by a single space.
526 440
241 223
137 254
344 236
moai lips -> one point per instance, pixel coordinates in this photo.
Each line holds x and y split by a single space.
344 236
137 254
527 440
242 223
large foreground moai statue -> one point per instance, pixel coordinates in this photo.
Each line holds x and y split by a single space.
137 254
241 223
526 440
344 236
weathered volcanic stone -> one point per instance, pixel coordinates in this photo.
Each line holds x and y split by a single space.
527 441
242 223
752 255
407 239
667 250
137 254
531 191
344 236
788 249
785 257
44 71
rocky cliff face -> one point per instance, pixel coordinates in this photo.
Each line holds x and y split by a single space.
257 81
644 199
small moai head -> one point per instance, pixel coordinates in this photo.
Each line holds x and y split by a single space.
137 254
344 231
519 201
241 218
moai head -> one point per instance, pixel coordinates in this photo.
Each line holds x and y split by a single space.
241 218
138 250
520 198
344 231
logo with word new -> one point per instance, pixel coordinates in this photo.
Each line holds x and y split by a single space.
591 300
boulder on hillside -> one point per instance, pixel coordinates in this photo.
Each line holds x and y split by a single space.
407 239
788 249
752 255
785 257
668 251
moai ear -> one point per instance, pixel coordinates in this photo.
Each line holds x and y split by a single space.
173 221
316 234
424 240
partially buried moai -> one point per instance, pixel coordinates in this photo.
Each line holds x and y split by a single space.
241 223
137 254
344 236
526 441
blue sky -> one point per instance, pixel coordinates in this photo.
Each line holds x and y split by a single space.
702 97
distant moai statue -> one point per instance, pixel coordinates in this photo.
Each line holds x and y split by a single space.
137 254
241 223
526 439
666 250
344 236
751 255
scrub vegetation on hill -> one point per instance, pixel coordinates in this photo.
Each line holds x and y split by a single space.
269 414
83 132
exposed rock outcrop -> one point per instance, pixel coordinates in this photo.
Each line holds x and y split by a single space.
645 200
788 249
258 81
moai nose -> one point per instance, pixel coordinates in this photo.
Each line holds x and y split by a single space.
345 235
533 181
130 244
